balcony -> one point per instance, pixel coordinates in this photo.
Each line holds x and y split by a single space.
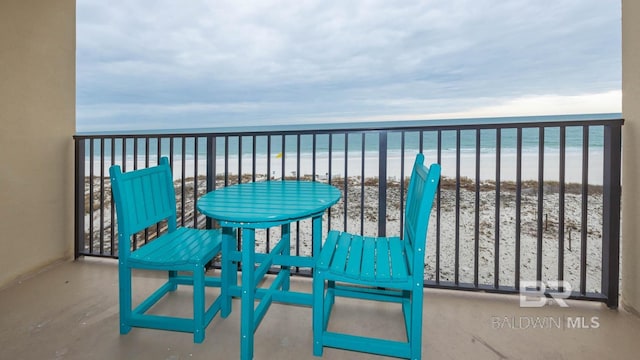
553 183
70 311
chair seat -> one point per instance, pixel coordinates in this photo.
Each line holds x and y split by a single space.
365 259
183 247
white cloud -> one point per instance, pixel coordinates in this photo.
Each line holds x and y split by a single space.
600 103
271 61
607 102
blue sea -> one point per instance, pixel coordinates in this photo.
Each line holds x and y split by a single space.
296 153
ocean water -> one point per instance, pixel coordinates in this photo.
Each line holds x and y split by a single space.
358 152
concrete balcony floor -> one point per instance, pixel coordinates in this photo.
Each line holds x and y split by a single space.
70 311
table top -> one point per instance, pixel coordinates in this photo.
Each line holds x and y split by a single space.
268 202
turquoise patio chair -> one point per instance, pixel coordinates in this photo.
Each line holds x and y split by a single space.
144 198
387 269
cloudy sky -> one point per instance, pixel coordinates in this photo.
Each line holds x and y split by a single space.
167 64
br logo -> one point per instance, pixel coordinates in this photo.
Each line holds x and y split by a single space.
534 293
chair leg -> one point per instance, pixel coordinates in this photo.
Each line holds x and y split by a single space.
330 298
286 236
198 304
318 312
125 298
415 337
172 277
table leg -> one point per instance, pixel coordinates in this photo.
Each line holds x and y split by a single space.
229 270
248 294
286 237
316 236
318 288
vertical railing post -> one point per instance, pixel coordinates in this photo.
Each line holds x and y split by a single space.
211 170
79 197
611 191
382 184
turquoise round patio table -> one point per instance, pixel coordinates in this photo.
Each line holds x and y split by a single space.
268 203
261 205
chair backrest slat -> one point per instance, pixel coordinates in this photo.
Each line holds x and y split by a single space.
142 198
422 189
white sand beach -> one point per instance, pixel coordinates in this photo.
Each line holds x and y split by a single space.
447 240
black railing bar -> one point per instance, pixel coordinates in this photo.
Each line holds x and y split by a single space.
113 207
298 140
438 209
561 193
382 184
456 255
476 231
540 202
211 157
239 159
226 160
496 256
195 182
444 125
183 158
269 157
362 173
80 196
421 145
157 149
283 150
171 153
268 236
135 153
124 155
211 171
518 204
313 156
135 167
124 169
346 183
101 196
253 158
402 146
239 180
146 165
158 156
146 151
313 175
91 174
584 210
298 178
329 176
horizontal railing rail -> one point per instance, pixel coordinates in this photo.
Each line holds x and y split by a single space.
532 201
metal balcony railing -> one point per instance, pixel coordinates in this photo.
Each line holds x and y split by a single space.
522 200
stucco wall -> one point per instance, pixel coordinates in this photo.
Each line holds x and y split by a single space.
631 150
37 116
